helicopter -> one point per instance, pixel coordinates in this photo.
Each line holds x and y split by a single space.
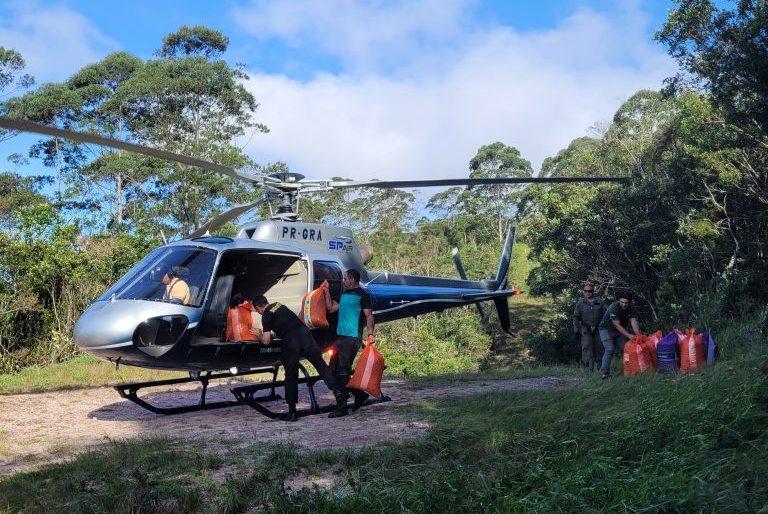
282 258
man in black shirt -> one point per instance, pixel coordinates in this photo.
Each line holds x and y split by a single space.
297 343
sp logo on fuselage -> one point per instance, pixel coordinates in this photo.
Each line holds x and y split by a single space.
306 234
340 243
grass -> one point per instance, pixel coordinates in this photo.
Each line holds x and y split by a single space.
691 443
83 371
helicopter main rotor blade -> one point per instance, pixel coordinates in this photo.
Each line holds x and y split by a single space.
387 184
85 137
225 217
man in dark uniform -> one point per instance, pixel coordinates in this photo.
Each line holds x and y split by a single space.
619 318
586 317
297 343
354 308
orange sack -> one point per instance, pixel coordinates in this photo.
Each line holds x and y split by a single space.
693 352
240 324
314 307
368 371
650 343
637 358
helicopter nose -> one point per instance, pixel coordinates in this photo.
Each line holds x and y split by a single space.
105 325
113 324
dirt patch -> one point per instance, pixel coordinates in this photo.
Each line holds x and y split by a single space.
50 427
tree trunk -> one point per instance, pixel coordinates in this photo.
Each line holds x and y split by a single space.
119 194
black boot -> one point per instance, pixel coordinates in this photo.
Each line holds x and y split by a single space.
341 394
360 399
341 404
291 415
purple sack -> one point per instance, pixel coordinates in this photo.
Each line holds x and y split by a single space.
668 349
709 341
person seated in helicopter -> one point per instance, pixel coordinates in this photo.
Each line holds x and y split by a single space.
241 325
176 287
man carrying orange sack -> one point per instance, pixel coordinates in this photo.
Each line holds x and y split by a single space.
240 325
614 329
354 308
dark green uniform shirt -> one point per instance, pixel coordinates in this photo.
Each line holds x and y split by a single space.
615 312
588 314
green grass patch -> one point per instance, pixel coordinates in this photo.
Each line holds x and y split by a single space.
690 443
83 371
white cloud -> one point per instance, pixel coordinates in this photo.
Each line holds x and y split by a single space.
364 34
533 90
54 40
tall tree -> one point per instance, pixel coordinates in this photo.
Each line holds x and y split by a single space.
495 204
723 47
12 80
188 102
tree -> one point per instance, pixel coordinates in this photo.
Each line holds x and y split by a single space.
187 103
12 80
184 101
724 50
197 40
495 204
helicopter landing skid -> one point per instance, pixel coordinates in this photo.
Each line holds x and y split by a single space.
130 391
247 396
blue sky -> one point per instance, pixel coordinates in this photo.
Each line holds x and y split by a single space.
383 89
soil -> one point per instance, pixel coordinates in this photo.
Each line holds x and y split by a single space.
36 429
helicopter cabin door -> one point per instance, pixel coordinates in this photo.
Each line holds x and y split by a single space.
245 274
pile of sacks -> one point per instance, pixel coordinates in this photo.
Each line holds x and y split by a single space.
678 351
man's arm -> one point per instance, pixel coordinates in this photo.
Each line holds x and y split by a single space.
576 318
621 330
266 327
635 326
369 323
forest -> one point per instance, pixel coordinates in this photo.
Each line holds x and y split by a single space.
687 232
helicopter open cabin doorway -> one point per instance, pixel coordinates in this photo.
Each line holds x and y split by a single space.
281 277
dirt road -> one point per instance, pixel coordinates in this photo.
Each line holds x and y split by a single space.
47 427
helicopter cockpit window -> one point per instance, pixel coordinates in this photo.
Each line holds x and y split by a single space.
177 274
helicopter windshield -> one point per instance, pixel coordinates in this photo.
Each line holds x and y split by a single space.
177 274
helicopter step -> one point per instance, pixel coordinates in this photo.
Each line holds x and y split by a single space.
130 391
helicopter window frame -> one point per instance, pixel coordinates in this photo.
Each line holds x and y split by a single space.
335 281
144 267
296 257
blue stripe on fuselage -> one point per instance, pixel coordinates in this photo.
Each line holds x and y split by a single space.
398 301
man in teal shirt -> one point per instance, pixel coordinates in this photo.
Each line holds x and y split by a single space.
614 329
354 309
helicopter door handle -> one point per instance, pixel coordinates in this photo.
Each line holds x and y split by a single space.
392 302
